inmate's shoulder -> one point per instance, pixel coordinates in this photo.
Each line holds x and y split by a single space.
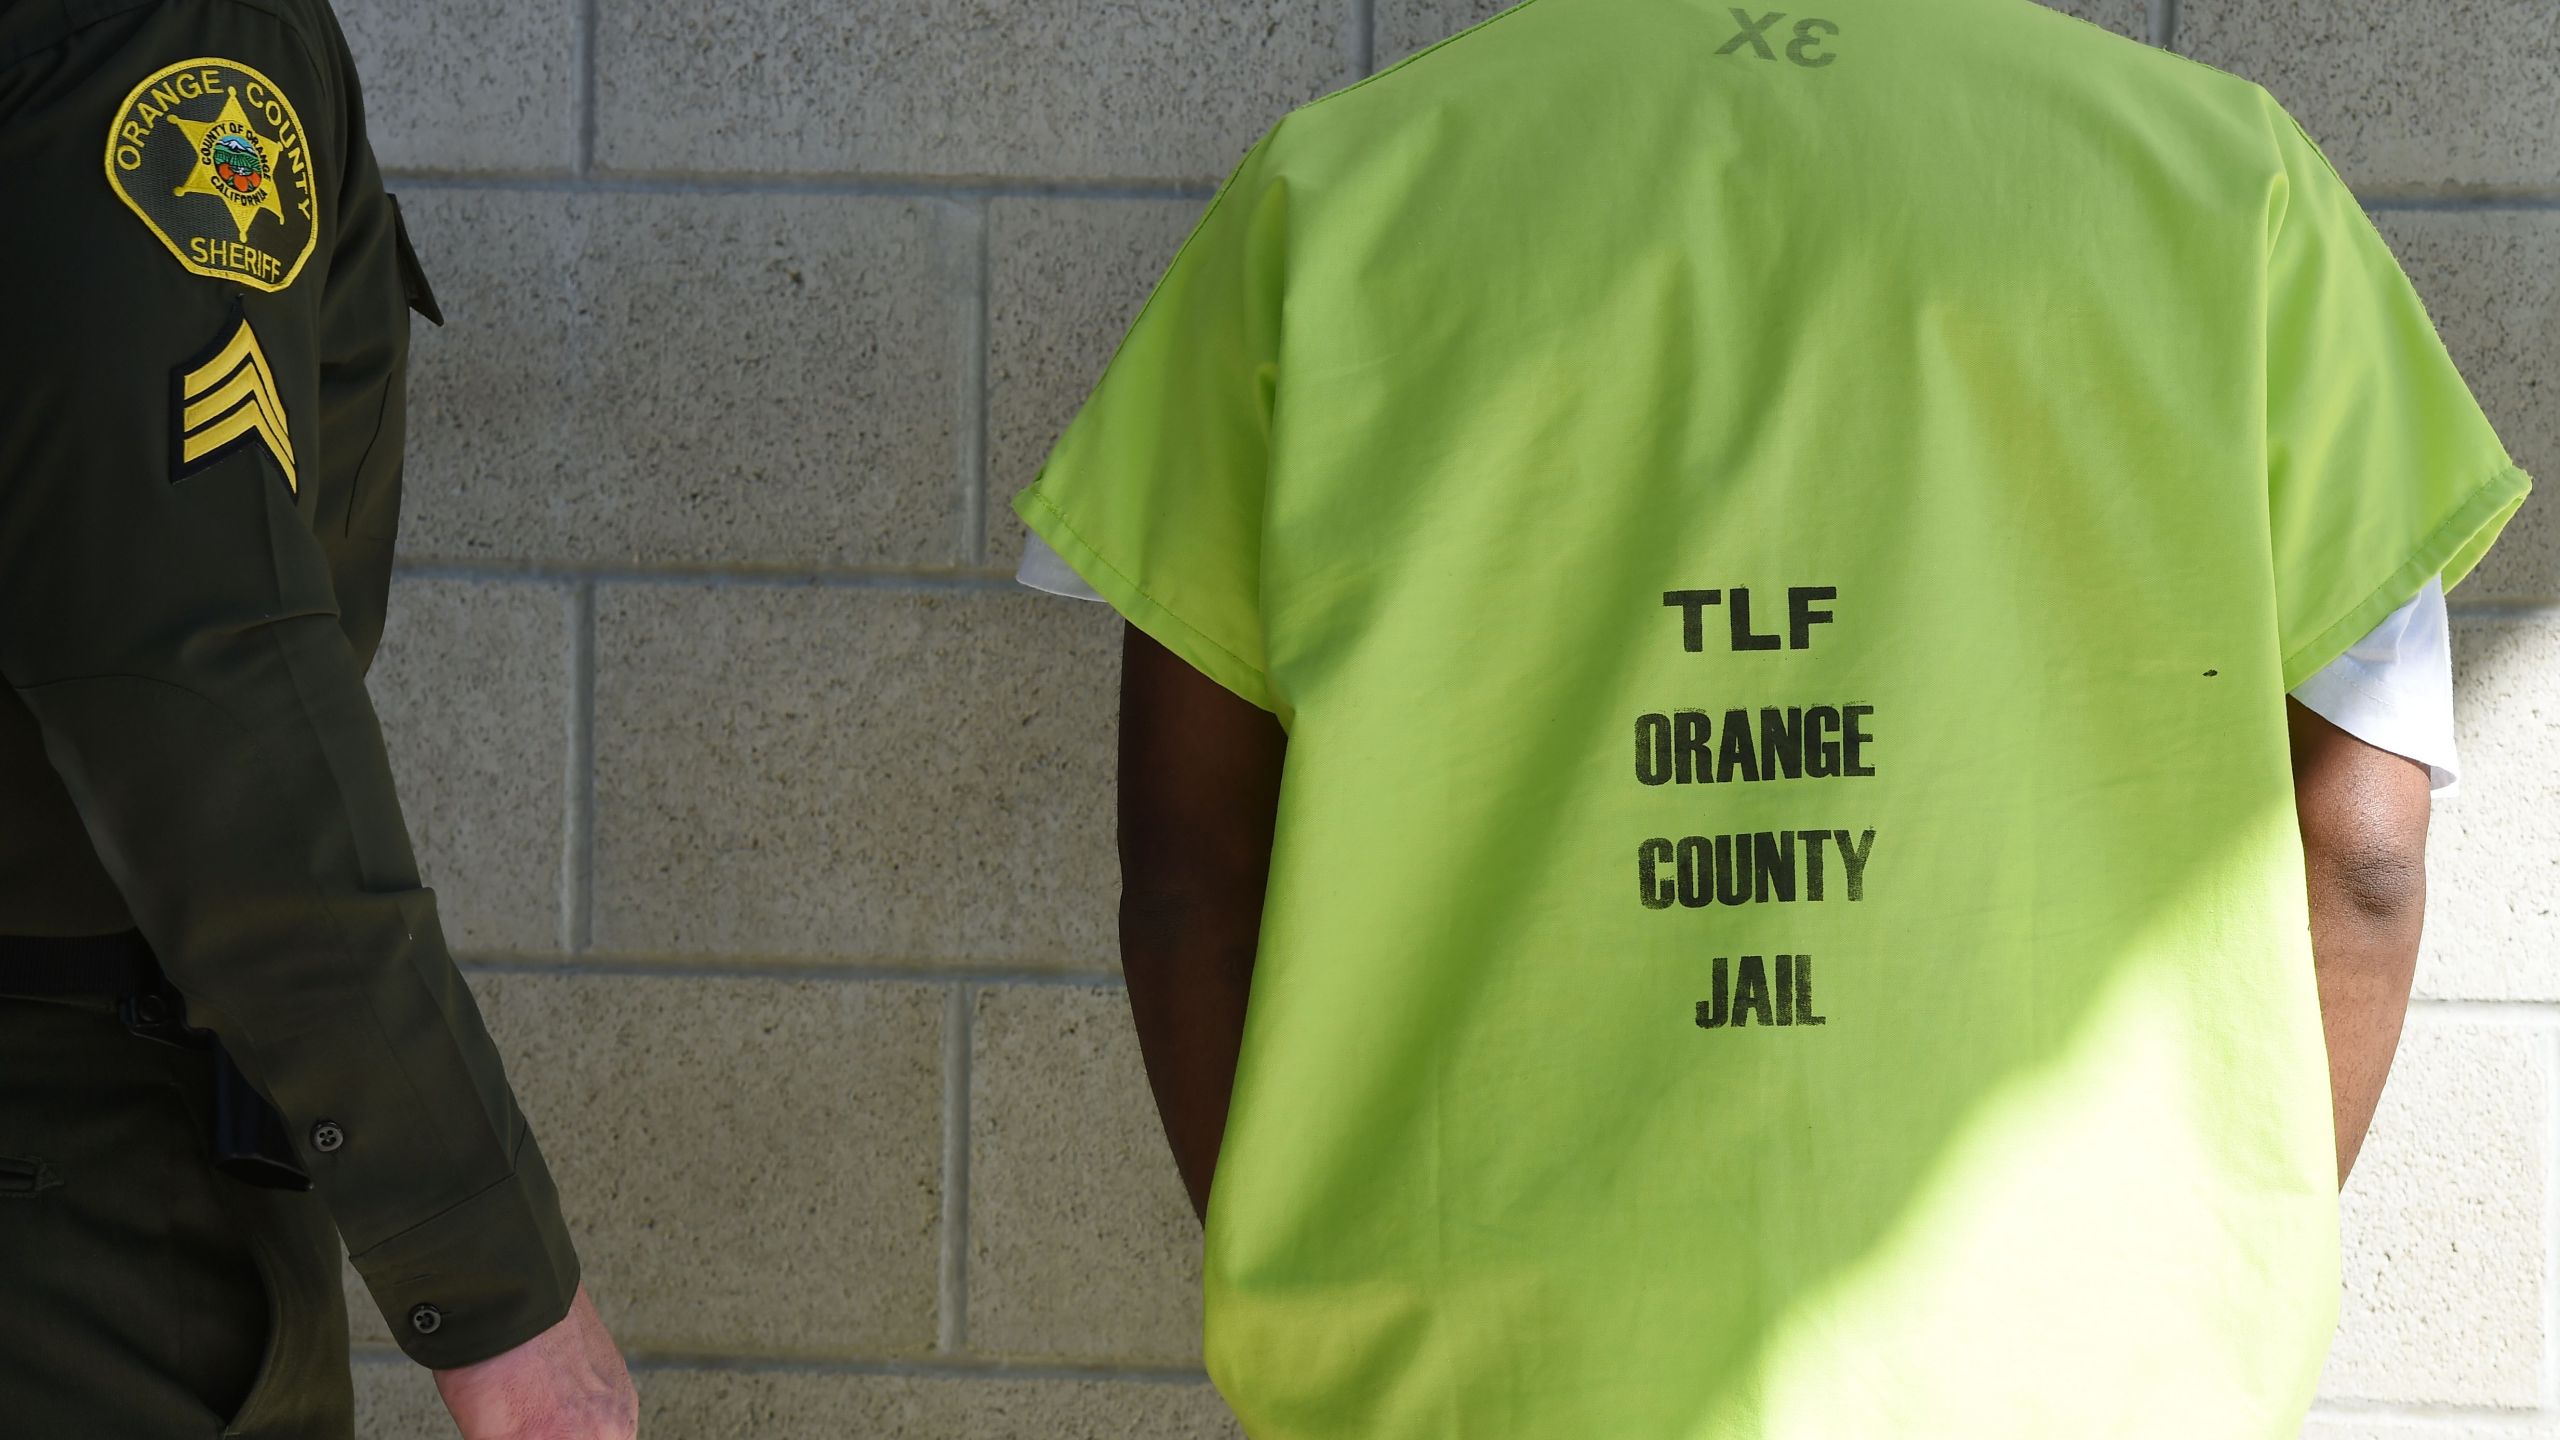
2174 91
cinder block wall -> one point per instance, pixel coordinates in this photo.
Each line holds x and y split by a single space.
774 823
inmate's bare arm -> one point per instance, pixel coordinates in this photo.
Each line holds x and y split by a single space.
1199 784
2364 845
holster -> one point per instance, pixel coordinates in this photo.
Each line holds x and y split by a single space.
248 1140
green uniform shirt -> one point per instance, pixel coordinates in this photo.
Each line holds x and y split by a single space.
200 444
1779 541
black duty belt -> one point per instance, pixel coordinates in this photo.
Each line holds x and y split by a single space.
248 1140
44 965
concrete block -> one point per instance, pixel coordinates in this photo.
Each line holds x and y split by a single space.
2491 280
1082 1244
856 772
2129 18
2452 95
398 1402
2443 1224
1405 26
472 684
2482 1427
1085 88
717 1405
364 1322
749 1166
469 85
1066 279
732 379
2493 850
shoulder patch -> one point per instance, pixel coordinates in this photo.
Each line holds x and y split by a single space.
229 399
212 158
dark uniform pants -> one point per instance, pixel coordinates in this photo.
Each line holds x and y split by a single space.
145 1295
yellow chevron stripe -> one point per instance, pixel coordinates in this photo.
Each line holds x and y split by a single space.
243 386
243 343
249 417
224 361
232 395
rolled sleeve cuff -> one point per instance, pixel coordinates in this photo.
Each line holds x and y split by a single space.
481 1278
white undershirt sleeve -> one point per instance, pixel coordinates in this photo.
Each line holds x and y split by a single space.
1043 569
2393 689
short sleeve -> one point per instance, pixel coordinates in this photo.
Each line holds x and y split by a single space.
2382 472
1154 493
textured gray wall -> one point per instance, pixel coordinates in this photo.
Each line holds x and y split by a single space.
774 823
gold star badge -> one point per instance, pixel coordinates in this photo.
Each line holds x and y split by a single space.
232 163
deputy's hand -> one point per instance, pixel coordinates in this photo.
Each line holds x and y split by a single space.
567 1383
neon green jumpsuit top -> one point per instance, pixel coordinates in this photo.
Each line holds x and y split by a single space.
1780 541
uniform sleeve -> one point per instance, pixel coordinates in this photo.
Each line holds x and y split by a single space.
1155 492
177 634
2382 472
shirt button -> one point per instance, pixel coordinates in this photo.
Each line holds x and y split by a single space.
326 1136
426 1319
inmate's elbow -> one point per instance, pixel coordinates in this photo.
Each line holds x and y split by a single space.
2382 881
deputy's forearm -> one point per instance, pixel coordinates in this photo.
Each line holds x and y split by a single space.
243 804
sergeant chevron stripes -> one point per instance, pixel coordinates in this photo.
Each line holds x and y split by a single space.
232 399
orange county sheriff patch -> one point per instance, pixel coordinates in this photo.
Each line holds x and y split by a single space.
210 154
